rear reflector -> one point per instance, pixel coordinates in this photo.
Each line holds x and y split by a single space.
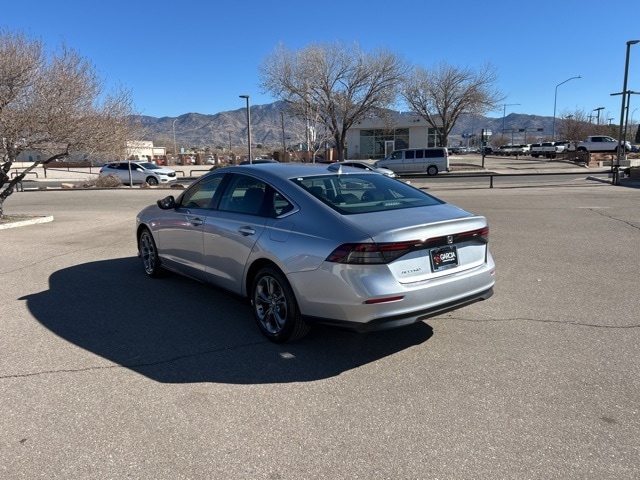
383 300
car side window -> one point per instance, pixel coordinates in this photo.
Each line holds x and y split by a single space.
201 194
280 205
244 194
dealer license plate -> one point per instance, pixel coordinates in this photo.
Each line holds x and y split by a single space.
443 258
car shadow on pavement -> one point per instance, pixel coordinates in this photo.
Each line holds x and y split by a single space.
178 330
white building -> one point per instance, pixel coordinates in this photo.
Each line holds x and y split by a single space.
144 150
374 138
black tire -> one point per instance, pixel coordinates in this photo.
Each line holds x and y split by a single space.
149 254
153 181
275 308
432 170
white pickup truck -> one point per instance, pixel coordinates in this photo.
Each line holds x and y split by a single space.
600 143
548 149
515 150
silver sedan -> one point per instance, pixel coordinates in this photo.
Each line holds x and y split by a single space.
312 243
366 166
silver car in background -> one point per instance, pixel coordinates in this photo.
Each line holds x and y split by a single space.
365 166
139 172
312 243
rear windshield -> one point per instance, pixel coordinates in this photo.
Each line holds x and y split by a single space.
364 193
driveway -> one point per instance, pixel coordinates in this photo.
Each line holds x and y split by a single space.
105 373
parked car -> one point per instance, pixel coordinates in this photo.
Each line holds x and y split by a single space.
417 160
601 143
366 166
508 150
139 172
487 150
310 243
259 160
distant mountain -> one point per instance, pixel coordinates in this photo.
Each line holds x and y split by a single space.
219 130
230 128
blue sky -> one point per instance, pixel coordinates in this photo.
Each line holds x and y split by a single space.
198 56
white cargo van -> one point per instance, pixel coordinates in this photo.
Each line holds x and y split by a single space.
417 160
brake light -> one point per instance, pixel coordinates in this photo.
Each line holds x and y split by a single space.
481 235
371 253
381 253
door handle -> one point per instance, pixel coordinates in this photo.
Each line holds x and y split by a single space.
196 222
246 231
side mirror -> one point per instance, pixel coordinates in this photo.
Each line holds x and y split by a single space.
167 203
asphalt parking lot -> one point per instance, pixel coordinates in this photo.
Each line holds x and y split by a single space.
105 373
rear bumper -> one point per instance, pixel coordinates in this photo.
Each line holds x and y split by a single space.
345 303
395 321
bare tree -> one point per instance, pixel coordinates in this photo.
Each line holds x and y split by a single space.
55 105
577 125
339 82
310 129
442 94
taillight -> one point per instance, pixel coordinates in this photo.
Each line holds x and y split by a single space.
371 253
380 253
480 235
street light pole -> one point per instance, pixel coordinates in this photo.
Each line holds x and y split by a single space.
597 110
284 140
246 97
504 112
555 101
626 120
175 148
622 132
